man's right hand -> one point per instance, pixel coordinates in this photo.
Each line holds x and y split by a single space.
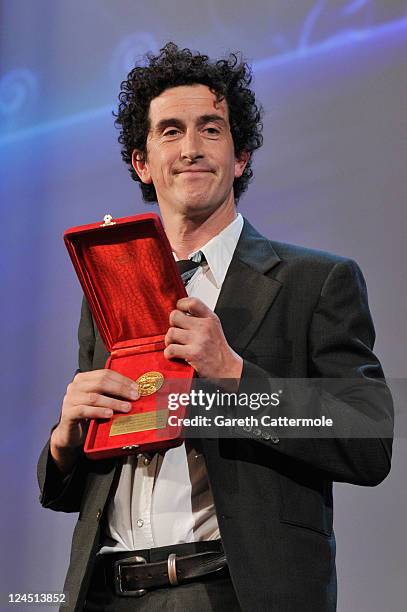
91 395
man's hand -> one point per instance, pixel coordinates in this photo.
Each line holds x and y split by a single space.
91 395
196 335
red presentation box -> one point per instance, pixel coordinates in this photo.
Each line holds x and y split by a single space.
131 283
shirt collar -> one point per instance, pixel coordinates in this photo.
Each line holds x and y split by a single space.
219 250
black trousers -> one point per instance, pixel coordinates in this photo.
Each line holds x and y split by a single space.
212 593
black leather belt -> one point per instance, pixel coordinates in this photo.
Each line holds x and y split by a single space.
134 573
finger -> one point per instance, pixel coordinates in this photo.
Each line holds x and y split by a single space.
103 374
181 320
177 351
93 399
177 336
82 412
106 382
195 307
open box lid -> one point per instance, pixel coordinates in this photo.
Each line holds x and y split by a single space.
129 277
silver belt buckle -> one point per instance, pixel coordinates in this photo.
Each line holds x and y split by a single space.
172 569
118 577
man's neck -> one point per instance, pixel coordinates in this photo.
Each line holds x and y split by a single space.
187 235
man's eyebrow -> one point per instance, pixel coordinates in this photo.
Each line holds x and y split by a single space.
170 122
214 117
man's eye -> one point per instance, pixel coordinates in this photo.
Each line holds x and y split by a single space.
171 132
211 131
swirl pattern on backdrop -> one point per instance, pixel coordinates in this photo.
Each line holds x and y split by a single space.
17 88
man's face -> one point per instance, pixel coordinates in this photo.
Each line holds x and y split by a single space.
190 153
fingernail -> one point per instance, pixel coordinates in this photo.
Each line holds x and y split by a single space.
134 394
108 413
126 407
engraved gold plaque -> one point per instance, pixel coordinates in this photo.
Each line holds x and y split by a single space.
154 419
150 383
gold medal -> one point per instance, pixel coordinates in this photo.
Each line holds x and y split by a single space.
150 383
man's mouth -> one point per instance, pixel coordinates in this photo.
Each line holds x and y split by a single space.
193 171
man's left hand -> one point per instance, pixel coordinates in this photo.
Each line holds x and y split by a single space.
196 335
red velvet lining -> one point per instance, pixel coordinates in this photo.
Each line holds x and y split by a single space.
177 375
129 277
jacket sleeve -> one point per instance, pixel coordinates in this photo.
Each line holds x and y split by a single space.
59 492
340 342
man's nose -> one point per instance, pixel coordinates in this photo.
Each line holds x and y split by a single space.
191 146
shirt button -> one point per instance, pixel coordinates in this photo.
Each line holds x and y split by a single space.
146 461
140 523
98 514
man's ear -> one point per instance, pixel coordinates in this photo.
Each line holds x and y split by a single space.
241 163
140 165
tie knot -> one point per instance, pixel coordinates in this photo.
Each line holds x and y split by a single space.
188 267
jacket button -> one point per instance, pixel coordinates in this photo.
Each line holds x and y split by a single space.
98 514
275 440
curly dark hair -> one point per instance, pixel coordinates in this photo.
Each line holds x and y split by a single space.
228 79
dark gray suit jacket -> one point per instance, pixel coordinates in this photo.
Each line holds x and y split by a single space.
289 312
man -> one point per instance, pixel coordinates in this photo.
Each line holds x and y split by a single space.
256 310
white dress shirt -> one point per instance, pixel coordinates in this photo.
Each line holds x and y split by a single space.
168 500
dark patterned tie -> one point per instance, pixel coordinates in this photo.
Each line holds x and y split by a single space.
188 267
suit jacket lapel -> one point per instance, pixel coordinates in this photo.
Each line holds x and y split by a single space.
247 293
